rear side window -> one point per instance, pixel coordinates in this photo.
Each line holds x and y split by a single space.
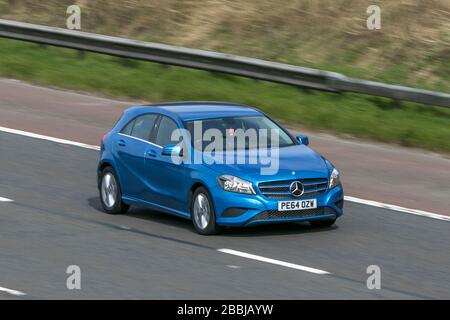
141 127
166 127
128 128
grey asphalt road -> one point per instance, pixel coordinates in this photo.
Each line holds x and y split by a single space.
55 221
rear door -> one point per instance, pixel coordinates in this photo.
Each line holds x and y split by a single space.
130 149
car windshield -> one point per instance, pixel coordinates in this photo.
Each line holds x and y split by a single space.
234 133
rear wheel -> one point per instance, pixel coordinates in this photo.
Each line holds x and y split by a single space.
110 193
322 223
202 212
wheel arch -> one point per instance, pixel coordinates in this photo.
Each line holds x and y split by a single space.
194 187
104 164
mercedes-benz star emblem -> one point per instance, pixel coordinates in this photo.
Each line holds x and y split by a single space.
296 188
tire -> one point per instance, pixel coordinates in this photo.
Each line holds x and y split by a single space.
202 212
111 193
322 223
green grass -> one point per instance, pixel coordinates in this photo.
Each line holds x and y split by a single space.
379 119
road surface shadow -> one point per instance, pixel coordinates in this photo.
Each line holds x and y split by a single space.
148 215
261 230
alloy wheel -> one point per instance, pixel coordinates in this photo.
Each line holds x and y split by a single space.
202 211
109 190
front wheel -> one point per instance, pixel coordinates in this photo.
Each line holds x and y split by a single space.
202 212
110 193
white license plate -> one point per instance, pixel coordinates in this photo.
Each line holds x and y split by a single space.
297 205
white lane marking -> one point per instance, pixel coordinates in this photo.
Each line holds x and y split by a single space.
272 261
347 198
13 292
397 208
5 200
233 266
42 137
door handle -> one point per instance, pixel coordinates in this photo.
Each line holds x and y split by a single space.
151 154
121 143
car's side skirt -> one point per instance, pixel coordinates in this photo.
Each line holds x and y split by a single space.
151 205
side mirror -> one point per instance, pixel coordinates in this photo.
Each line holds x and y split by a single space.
303 140
172 149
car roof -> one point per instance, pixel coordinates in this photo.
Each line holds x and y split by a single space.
200 110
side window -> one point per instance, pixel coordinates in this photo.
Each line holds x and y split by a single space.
128 128
166 127
143 125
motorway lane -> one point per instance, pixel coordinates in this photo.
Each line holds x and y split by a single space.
55 221
371 171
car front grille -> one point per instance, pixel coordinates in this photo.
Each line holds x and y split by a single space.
275 214
280 189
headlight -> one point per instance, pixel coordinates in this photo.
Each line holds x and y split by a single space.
235 184
334 178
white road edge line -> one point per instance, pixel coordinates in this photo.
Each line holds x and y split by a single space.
272 261
5 200
13 292
397 208
42 137
347 198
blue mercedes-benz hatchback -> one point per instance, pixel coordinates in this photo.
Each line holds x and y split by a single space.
218 164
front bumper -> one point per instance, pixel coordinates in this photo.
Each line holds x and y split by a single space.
233 209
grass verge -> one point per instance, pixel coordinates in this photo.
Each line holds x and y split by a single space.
362 116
